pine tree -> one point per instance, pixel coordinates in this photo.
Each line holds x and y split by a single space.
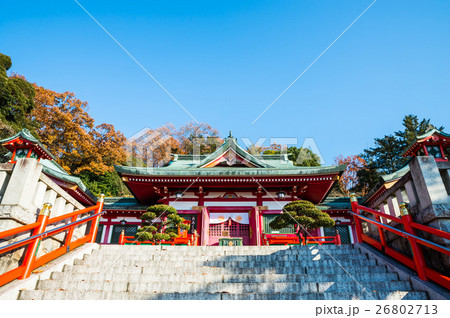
413 128
386 156
166 229
304 216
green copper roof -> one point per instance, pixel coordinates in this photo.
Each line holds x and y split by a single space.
123 203
231 144
396 175
432 132
26 134
266 165
231 171
337 203
53 169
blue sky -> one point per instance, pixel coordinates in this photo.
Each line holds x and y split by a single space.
226 61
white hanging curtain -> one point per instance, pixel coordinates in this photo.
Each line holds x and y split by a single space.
216 218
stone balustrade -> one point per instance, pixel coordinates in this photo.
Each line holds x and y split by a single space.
425 188
24 188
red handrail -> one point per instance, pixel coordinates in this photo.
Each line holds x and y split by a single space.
417 263
19 229
293 239
190 240
31 261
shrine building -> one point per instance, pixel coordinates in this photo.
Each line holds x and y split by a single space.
229 193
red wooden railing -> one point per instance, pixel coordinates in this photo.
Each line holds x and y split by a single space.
32 243
190 240
286 239
417 263
183 238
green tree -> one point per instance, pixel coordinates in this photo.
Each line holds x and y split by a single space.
367 179
166 229
413 128
108 183
304 216
302 157
16 97
386 156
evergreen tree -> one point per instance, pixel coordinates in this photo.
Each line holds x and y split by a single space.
386 156
16 97
413 128
302 157
166 229
304 216
367 179
109 183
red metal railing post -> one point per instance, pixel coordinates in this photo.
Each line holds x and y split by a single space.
419 260
380 231
338 239
70 232
33 247
122 238
100 201
358 225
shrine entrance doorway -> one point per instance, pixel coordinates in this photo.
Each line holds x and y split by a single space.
229 226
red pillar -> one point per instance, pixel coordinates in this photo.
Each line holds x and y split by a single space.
100 201
338 239
205 227
419 260
358 226
255 226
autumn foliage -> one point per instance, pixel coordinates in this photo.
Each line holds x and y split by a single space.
153 147
349 179
70 133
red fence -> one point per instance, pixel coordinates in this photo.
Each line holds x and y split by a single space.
189 239
32 243
292 239
417 263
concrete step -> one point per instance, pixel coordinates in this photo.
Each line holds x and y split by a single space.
197 251
224 263
229 273
92 259
167 287
100 295
224 278
242 248
166 270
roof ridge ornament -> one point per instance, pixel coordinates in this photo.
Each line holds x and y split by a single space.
230 136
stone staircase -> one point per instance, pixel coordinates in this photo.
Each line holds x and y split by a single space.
228 273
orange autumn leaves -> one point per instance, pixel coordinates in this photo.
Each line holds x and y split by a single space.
70 133
349 179
156 145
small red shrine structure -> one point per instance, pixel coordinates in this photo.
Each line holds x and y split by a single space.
432 143
25 145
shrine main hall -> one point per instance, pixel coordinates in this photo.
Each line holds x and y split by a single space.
228 193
